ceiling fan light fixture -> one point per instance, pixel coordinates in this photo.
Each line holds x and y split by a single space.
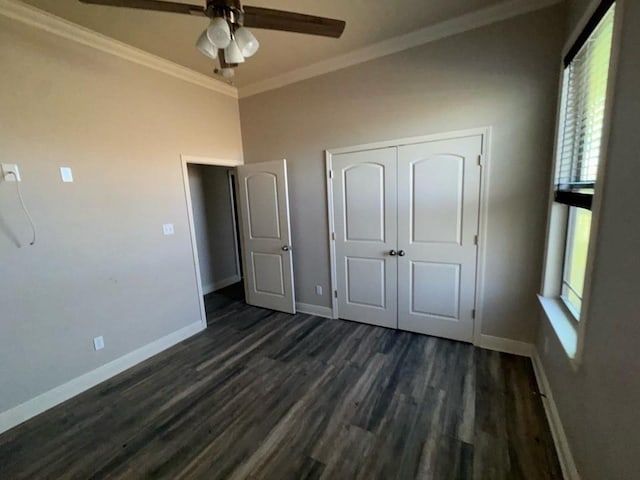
247 42
206 47
232 53
227 72
226 38
219 32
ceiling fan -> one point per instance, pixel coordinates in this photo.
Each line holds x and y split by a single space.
227 36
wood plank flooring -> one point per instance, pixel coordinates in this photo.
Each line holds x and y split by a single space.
265 395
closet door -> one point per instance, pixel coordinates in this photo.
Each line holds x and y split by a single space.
364 200
438 203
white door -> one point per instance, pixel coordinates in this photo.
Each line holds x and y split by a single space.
266 235
438 208
364 199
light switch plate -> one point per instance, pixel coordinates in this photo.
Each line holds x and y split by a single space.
66 174
167 229
7 169
98 343
319 290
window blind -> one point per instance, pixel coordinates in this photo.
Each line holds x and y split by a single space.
582 116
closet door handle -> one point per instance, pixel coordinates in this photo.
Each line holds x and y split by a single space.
393 253
401 253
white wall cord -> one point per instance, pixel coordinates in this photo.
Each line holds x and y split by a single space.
24 207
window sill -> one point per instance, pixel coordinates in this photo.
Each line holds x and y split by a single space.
563 324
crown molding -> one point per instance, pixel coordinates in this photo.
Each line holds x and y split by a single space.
35 17
461 24
50 23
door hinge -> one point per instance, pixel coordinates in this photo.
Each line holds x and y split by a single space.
330 173
475 240
335 293
333 235
481 160
473 313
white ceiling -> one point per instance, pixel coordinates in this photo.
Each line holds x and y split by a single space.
173 36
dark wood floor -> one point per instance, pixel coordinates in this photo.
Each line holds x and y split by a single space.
265 395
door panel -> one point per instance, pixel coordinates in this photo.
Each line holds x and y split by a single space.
364 200
437 199
366 281
262 199
435 289
438 205
268 273
364 186
266 235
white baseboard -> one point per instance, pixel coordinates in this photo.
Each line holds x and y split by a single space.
569 469
57 395
505 345
316 310
225 282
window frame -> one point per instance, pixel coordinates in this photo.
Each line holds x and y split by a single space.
569 329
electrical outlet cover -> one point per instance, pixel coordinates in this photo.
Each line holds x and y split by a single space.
67 174
98 343
8 169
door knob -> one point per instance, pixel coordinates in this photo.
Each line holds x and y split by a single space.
393 253
401 253
286 248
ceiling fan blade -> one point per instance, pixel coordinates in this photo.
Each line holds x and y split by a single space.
170 7
258 17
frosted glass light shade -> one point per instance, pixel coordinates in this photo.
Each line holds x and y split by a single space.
206 47
219 32
247 42
232 53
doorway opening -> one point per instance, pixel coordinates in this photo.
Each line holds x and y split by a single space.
255 226
215 225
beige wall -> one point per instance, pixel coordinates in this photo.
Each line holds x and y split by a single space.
101 265
213 220
576 11
599 403
504 75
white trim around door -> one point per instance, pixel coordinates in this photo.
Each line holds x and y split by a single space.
483 209
216 162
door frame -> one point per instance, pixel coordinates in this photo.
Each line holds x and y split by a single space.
185 160
482 217
231 177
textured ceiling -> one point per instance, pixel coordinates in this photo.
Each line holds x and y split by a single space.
173 36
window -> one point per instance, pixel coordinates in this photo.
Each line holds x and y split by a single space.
579 161
575 261
580 134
